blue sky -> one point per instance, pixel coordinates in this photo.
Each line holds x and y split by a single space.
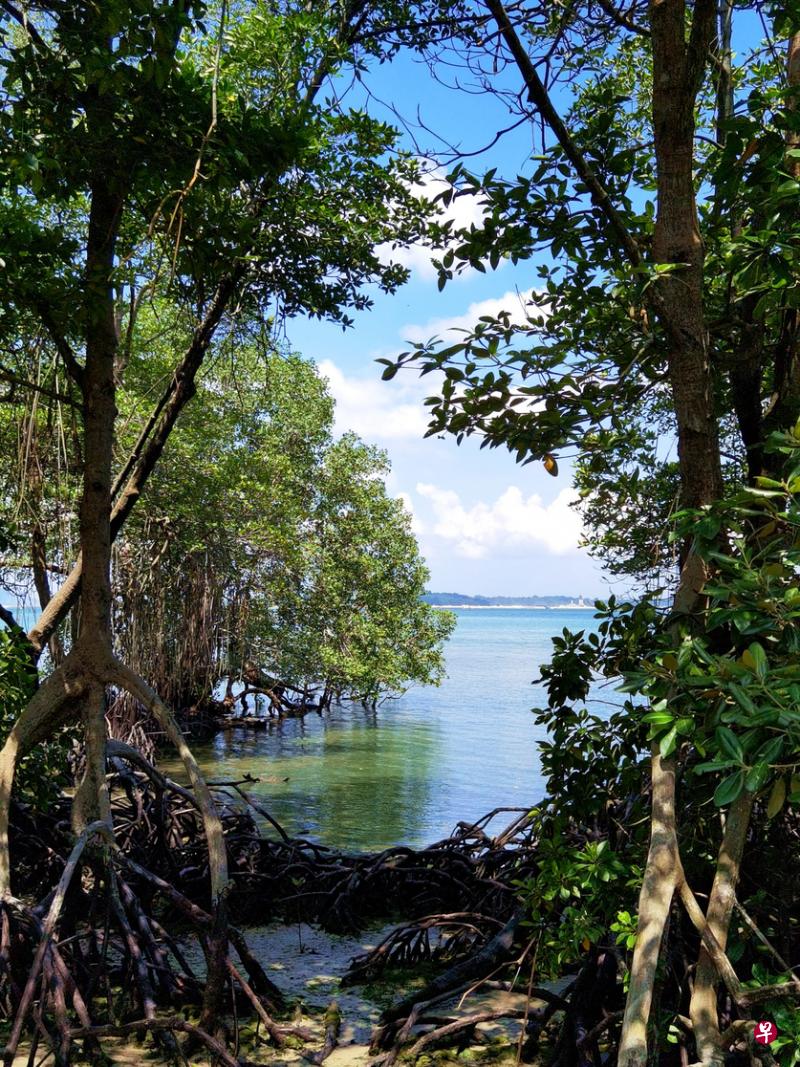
484 524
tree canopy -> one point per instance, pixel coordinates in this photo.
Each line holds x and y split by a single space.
172 155
660 355
270 550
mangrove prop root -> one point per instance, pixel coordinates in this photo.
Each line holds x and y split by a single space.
171 1024
481 965
452 1031
108 963
94 954
48 930
411 943
333 1021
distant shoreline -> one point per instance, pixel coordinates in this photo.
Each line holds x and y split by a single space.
514 607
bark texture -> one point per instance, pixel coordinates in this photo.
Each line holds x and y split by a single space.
678 68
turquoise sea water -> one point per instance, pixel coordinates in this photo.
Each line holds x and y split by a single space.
408 772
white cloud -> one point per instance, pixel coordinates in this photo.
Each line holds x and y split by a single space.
462 210
518 305
377 411
511 525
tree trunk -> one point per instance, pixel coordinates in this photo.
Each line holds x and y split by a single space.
131 481
677 73
678 67
99 418
703 1009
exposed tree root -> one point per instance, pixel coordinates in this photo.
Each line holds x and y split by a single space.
96 951
456 978
333 1021
411 943
99 956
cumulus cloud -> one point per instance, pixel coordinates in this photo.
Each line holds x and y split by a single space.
513 524
519 305
375 410
463 211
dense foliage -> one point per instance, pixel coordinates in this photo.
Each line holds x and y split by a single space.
270 550
660 355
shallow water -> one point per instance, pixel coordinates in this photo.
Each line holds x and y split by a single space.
408 772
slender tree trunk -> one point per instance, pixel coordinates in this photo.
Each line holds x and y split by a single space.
678 67
99 418
677 72
703 1009
99 388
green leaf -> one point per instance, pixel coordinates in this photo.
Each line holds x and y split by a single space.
729 744
742 698
666 745
777 797
714 765
760 661
658 718
756 777
770 752
729 789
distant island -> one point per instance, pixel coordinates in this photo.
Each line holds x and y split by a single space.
461 600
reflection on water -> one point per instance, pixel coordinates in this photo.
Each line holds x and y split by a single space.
408 772
355 778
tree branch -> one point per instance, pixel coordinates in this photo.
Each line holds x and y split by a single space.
765 941
621 19
63 347
703 1006
22 18
7 616
23 383
538 95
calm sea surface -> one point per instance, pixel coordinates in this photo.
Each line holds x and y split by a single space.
410 771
